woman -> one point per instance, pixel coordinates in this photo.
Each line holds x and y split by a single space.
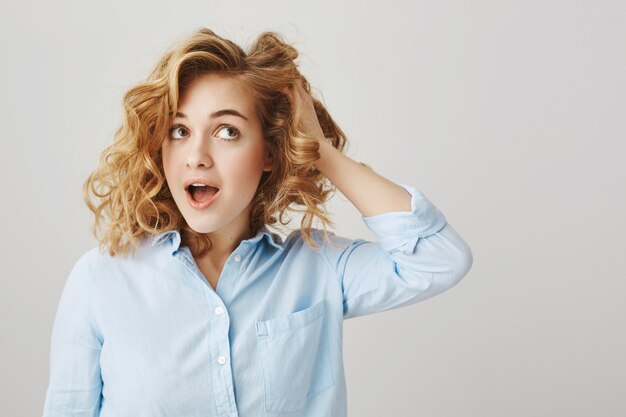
197 308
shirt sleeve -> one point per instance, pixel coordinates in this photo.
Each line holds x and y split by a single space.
75 383
418 255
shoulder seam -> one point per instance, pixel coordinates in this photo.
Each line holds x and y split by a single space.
90 285
322 244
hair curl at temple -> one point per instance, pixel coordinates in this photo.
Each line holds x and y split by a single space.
129 181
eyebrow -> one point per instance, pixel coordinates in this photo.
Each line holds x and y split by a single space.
218 113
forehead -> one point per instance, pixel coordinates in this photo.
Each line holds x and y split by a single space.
212 92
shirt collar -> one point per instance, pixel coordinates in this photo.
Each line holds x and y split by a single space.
272 238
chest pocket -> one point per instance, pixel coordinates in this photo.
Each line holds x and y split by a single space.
295 359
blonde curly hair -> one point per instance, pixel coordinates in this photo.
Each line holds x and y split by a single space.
129 181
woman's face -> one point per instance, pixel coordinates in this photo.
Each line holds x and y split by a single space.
209 143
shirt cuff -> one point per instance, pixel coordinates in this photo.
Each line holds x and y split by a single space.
400 230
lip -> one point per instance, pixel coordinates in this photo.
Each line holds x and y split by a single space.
198 180
204 204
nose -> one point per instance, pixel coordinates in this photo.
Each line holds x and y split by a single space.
199 154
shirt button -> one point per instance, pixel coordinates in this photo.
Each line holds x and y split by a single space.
221 360
219 311
237 258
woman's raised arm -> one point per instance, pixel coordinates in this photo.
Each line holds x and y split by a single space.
370 192
418 254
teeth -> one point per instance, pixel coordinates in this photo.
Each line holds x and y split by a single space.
198 185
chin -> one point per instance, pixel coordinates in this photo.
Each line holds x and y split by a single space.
202 228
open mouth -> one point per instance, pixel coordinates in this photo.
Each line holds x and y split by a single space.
201 193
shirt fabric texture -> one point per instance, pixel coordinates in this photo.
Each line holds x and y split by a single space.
147 336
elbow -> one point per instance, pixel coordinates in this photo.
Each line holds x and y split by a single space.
463 261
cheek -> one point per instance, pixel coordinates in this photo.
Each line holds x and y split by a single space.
245 173
169 167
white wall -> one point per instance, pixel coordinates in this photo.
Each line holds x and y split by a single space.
509 115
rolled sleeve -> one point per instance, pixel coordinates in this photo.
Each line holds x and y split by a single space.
418 255
400 230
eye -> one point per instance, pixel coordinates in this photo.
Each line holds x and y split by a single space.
229 129
178 132
175 130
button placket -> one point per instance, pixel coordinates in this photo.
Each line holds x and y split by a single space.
222 372
224 393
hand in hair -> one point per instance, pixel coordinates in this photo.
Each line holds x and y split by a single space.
370 192
303 106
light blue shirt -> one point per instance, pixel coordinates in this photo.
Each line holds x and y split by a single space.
147 336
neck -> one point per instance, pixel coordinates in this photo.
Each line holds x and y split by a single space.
223 243
225 240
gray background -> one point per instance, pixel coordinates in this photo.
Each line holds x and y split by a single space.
508 115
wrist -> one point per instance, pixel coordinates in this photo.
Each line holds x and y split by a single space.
327 152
